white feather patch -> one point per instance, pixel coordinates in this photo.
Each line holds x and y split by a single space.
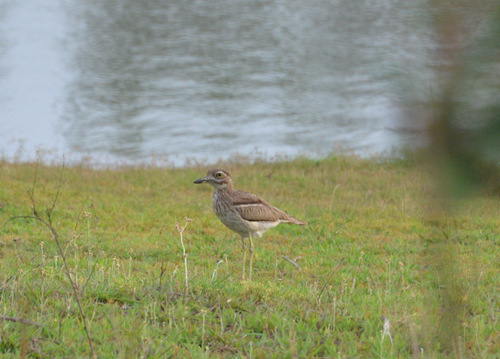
249 205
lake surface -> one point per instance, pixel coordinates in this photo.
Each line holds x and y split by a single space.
128 80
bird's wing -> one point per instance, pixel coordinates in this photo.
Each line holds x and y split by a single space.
252 208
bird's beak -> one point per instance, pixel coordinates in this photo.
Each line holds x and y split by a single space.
201 180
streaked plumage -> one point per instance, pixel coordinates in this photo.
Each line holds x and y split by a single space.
243 212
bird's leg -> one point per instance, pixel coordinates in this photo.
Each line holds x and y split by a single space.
251 256
244 257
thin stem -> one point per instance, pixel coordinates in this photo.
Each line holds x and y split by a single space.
184 254
31 191
51 209
290 261
185 264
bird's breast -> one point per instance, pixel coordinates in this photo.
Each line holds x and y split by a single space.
227 214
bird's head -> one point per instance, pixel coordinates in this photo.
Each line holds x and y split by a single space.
218 178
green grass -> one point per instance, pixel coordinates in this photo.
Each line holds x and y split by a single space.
375 245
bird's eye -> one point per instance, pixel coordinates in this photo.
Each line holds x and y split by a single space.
219 174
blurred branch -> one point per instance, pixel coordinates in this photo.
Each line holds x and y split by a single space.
462 128
464 132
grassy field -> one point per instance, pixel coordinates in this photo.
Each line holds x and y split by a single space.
378 244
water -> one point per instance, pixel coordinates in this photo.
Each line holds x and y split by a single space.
127 80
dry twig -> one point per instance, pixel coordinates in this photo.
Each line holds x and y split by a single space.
181 231
19 320
48 224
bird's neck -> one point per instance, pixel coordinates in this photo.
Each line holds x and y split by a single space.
225 188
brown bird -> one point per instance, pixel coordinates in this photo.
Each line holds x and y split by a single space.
243 212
